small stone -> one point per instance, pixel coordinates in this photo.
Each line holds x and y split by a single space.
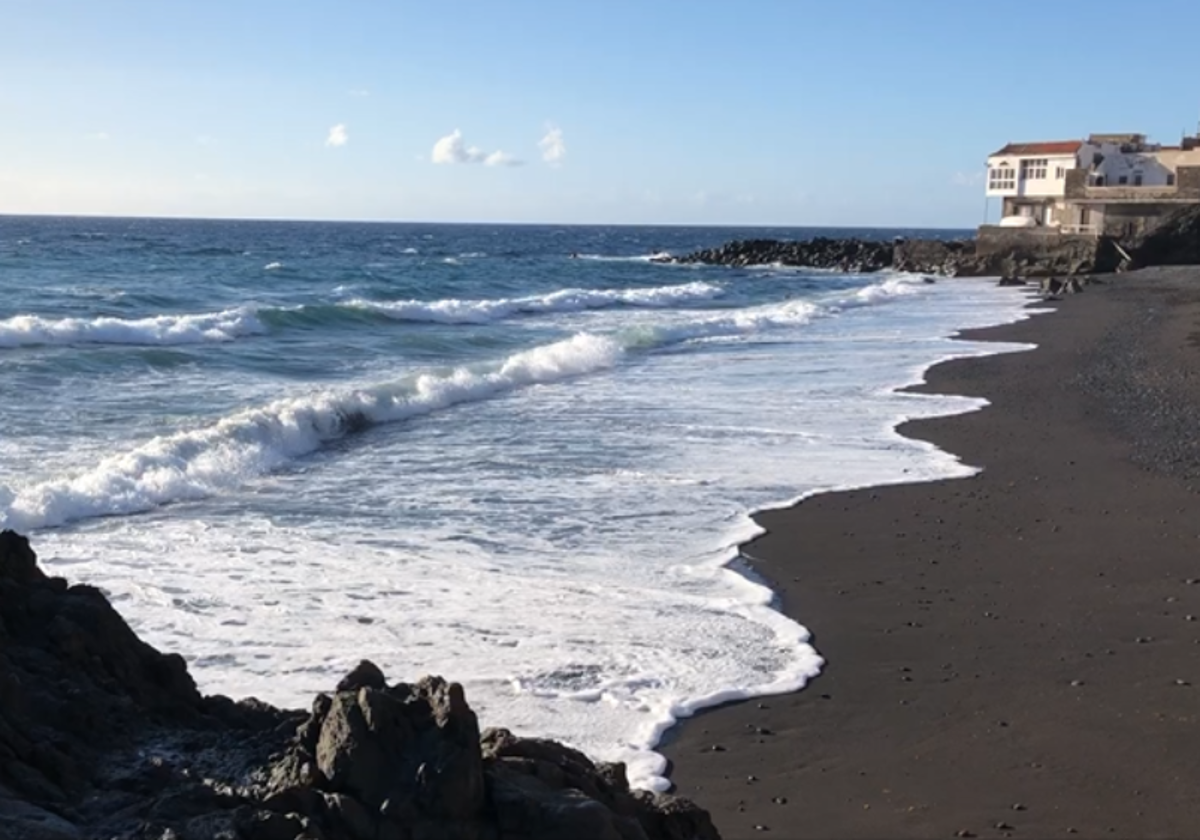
761 828
780 800
1003 826
964 833
752 778
1182 682
1076 683
716 748
1017 806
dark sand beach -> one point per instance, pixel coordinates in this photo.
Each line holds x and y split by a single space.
1016 653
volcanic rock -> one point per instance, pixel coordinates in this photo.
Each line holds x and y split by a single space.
102 736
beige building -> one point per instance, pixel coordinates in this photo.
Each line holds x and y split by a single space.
1112 184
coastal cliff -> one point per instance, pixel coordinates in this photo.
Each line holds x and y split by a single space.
102 736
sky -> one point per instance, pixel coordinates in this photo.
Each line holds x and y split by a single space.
756 112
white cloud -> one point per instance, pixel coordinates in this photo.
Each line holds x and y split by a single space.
101 136
453 149
553 147
359 93
967 179
501 159
338 136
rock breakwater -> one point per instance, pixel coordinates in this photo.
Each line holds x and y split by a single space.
998 255
102 736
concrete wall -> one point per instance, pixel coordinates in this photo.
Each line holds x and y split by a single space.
1172 159
1186 188
1187 181
1040 252
992 239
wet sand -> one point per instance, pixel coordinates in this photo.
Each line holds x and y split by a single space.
1016 653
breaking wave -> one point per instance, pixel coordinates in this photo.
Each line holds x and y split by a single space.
452 311
30 330
253 442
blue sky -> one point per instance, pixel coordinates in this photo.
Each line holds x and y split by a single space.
790 112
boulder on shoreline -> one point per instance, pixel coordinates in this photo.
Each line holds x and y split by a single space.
102 736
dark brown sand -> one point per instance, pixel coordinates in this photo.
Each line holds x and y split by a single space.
1014 653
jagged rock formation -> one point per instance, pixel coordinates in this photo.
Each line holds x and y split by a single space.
1173 241
101 736
1009 255
842 254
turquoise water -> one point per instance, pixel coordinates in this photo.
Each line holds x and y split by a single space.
521 457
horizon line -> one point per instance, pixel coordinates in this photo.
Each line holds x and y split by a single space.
297 220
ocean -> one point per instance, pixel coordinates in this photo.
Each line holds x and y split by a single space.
521 457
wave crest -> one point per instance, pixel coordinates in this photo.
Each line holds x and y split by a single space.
31 330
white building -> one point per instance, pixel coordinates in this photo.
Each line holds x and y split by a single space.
1038 184
1031 178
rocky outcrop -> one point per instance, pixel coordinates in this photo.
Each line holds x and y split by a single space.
857 255
1004 253
101 736
1173 241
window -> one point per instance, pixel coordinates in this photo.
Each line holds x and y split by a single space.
1034 169
1002 178
1137 179
1060 172
1124 179
1170 179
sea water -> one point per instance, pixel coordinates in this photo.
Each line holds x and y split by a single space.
522 457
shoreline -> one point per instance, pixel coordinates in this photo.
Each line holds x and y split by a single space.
895 737
740 563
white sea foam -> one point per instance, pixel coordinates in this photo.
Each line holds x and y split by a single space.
272 266
244 321
641 258
560 549
28 330
198 463
453 311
